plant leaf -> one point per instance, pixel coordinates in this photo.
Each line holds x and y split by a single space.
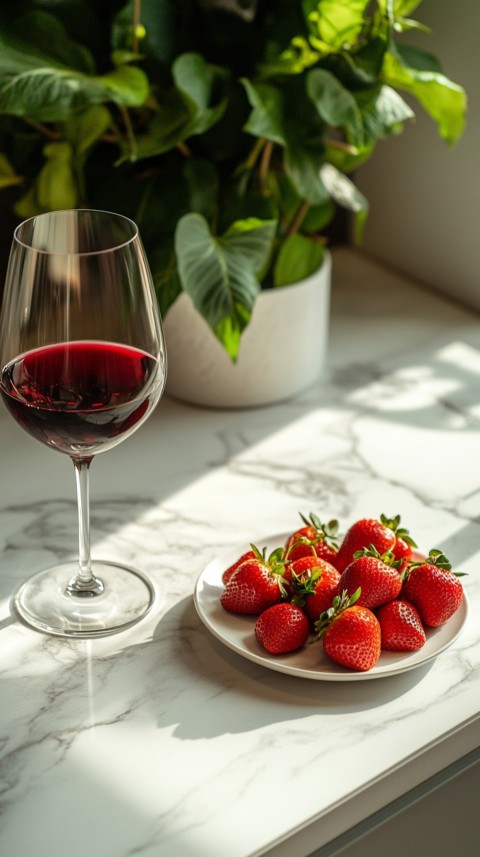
444 101
125 85
348 161
165 276
298 258
55 185
266 119
303 163
37 85
8 177
251 238
84 129
335 104
167 128
183 110
318 217
202 183
383 112
337 24
219 273
45 36
194 79
345 194
397 8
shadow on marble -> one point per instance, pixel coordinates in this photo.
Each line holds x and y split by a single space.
59 801
432 388
249 695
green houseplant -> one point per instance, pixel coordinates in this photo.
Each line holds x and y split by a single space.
229 130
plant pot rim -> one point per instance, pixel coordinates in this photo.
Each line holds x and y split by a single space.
201 373
325 266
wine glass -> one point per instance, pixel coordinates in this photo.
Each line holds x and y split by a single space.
83 365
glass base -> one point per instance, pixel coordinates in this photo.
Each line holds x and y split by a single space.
44 602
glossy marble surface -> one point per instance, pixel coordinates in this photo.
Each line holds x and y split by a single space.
159 741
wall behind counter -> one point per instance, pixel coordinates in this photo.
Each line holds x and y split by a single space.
425 196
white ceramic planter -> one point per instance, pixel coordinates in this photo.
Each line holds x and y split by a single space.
282 351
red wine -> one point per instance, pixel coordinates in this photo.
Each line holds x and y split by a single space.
81 397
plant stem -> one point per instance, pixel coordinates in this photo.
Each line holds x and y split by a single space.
136 20
254 153
130 133
299 217
184 149
342 146
43 129
252 158
265 163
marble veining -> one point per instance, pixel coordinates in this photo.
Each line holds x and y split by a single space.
161 742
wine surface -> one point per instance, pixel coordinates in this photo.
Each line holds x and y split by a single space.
81 398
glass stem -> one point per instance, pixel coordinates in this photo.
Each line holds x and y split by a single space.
84 584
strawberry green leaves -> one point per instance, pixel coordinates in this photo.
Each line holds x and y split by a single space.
220 272
435 557
340 603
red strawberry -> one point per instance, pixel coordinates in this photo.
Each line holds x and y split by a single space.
300 571
232 568
402 549
313 583
282 628
362 534
433 588
314 539
401 627
350 633
324 591
255 585
379 581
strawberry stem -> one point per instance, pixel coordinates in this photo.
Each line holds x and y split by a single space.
400 532
339 604
325 532
435 557
388 557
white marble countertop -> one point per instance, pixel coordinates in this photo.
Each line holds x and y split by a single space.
160 741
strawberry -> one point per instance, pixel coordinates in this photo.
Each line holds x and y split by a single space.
232 568
314 584
433 588
401 627
282 628
324 591
350 633
375 574
362 534
314 539
402 549
298 572
256 584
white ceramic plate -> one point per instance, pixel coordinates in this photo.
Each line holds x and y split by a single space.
237 632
